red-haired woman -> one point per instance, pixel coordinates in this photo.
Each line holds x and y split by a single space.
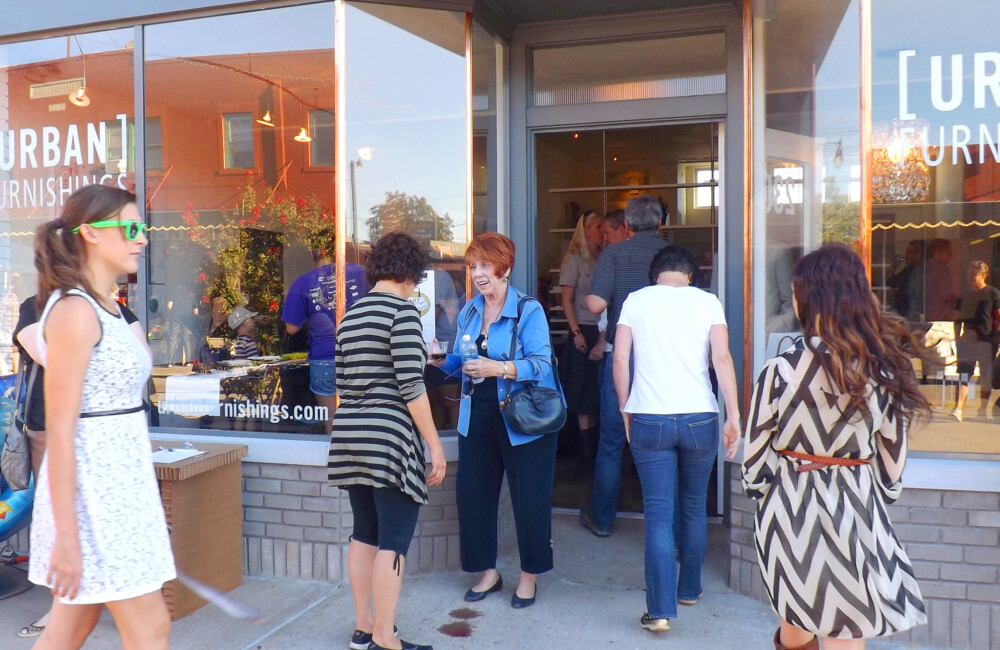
98 534
826 444
487 447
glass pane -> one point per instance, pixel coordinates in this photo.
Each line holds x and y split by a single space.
51 145
578 172
936 206
487 52
237 215
678 66
807 138
406 122
321 127
238 140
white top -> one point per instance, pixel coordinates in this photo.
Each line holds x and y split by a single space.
670 346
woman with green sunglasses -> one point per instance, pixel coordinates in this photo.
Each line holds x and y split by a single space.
97 456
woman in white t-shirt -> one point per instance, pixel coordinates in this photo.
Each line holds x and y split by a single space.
671 420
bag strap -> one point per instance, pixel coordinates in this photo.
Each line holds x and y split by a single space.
17 394
22 406
513 344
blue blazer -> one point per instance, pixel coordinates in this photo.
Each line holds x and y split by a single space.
533 355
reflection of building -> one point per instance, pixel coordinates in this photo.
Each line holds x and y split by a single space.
571 106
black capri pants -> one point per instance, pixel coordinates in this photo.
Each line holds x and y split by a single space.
484 455
383 517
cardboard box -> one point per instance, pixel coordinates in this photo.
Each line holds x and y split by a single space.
202 501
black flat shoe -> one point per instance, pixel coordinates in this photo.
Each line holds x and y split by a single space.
472 596
520 603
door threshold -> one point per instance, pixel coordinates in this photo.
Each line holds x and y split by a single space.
716 519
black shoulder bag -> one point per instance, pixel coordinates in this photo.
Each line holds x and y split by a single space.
533 410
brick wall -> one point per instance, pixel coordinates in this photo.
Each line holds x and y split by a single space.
295 526
952 539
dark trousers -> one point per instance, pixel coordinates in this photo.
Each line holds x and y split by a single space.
483 457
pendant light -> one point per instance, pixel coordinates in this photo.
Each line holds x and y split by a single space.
79 96
266 119
303 135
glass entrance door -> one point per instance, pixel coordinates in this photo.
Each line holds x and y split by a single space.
599 170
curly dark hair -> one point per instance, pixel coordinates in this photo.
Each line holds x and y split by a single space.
836 303
397 257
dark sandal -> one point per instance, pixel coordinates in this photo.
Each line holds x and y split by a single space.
30 631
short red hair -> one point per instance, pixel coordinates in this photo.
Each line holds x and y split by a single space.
494 248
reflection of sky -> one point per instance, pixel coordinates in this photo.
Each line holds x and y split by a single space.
838 109
932 28
406 99
50 49
307 27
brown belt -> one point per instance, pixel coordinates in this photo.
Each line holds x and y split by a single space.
819 462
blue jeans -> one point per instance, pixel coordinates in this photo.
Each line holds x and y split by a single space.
323 377
674 452
603 504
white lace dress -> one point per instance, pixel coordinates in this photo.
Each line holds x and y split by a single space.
123 532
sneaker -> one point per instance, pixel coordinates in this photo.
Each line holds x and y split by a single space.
957 414
689 601
654 624
361 640
589 524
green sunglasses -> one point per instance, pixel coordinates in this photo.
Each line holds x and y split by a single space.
132 228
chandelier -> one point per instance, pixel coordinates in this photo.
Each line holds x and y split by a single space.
899 173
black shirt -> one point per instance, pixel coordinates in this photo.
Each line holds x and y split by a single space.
28 315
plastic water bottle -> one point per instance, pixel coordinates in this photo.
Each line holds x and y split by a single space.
467 350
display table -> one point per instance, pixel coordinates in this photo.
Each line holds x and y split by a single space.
203 504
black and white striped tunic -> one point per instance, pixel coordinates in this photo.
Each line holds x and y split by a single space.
380 359
830 559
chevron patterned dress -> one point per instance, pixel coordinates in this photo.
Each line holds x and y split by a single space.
831 562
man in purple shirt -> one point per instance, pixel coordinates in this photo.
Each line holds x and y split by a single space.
312 303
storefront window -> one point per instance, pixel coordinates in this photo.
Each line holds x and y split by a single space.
242 204
936 205
806 191
51 145
487 72
406 140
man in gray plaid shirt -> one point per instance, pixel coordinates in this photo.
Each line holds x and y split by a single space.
621 269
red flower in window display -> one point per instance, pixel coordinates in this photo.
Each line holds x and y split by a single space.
273 306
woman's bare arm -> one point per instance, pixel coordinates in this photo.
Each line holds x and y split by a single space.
71 332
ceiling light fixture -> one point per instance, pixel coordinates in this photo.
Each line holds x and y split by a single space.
303 135
79 96
266 119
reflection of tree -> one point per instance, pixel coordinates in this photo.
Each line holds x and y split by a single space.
240 260
841 219
400 212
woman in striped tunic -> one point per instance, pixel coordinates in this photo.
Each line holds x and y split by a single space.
375 451
826 444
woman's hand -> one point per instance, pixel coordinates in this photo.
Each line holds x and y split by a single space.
438 465
597 352
483 367
731 435
580 342
65 567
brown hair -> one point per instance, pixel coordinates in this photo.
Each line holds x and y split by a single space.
60 254
493 248
836 303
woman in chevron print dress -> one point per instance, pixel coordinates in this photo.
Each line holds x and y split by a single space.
825 448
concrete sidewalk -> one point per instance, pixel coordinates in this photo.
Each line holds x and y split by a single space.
593 599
